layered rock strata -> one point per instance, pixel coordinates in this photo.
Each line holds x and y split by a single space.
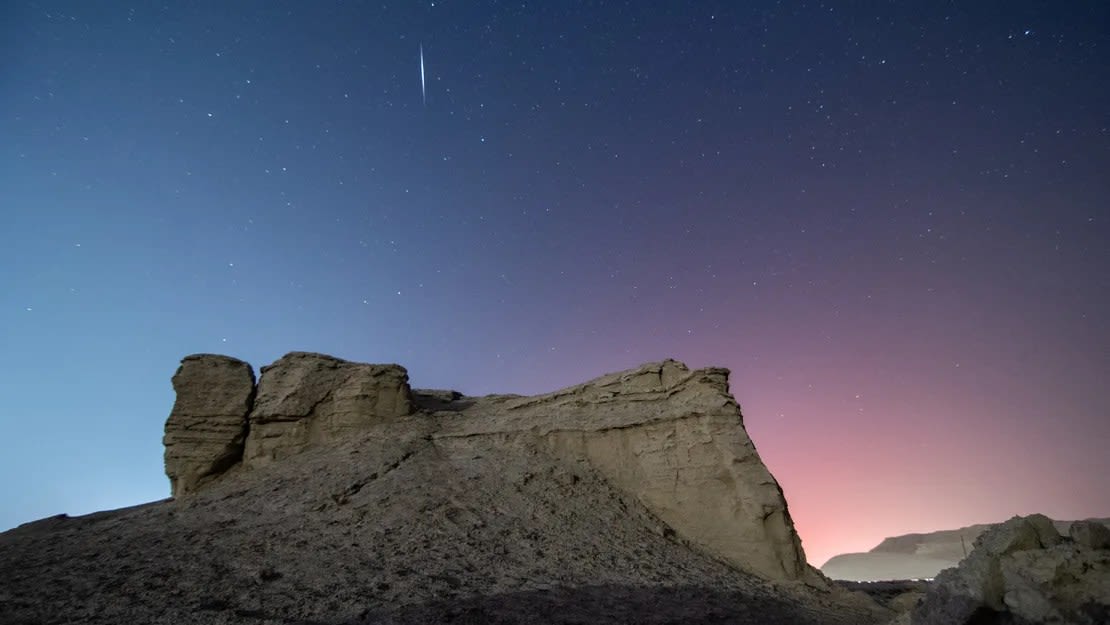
674 439
307 398
670 437
207 428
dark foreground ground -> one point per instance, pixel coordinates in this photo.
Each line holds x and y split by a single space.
611 604
896 595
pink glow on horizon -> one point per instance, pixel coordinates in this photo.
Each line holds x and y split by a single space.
852 478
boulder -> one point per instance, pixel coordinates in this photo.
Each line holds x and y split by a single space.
1035 531
1022 571
207 428
307 398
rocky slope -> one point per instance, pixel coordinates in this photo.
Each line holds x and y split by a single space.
331 492
1025 571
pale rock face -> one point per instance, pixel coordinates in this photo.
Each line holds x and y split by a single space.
702 478
207 427
667 436
306 398
675 440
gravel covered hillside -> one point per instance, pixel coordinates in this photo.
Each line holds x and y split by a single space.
409 532
330 492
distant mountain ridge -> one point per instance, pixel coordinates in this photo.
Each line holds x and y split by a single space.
917 555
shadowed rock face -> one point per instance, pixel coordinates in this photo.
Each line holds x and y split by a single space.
207 427
670 437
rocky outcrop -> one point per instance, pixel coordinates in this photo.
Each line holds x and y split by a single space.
667 436
207 427
1023 571
674 439
220 420
305 399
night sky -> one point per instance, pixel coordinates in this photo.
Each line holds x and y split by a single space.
890 220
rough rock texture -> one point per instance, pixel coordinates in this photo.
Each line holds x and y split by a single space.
306 398
207 427
1023 571
672 438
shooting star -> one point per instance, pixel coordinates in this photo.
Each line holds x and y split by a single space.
423 89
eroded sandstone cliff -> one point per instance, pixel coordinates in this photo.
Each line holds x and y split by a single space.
670 437
674 439
306 398
207 428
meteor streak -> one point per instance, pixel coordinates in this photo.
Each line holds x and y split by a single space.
423 90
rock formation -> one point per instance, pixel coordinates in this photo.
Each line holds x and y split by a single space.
670 437
207 427
1023 571
306 398
336 494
